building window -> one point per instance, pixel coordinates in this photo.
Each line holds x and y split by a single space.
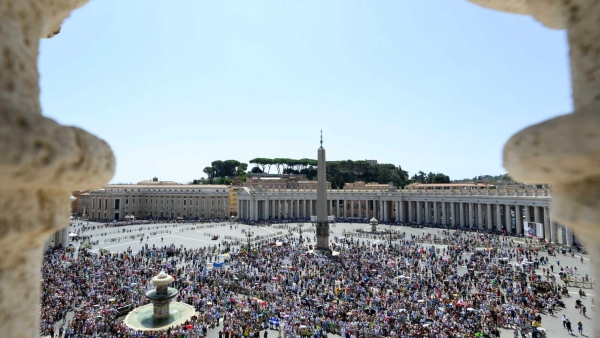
127 201
117 203
184 201
140 201
105 204
133 201
161 201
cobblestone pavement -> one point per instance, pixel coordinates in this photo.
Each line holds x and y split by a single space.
202 238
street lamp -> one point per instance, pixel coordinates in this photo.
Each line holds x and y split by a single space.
300 225
249 234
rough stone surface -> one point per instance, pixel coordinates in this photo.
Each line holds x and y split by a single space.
551 13
41 161
584 42
565 151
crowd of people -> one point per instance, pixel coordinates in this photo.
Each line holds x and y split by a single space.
473 287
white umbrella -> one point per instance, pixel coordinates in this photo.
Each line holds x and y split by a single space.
73 234
470 309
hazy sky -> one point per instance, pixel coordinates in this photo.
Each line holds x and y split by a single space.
433 85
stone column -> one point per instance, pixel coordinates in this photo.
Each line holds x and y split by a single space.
547 234
536 214
553 231
527 213
382 210
375 209
419 211
266 209
452 214
471 225
352 208
436 214
254 210
479 216
569 235
507 219
444 218
488 216
397 210
461 214
518 219
305 209
401 212
310 207
498 218
359 209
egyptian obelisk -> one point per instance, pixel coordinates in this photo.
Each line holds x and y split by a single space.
322 223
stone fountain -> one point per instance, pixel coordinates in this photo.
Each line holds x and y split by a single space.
161 296
161 313
373 222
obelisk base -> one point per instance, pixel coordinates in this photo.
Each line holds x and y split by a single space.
323 235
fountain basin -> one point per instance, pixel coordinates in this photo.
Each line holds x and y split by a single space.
142 318
154 295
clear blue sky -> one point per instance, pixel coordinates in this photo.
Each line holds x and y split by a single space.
433 85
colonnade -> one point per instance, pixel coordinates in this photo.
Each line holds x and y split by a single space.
483 214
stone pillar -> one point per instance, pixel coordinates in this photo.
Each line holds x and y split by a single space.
488 214
303 208
266 209
375 209
507 219
382 209
536 214
518 219
461 214
452 214
256 210
471 225
527 213
359 209
569 235
310 207
546 220
419 212
553 231
479 216
397 210
352 209
444 218
436 214
498 218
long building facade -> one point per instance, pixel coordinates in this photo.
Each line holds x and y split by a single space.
155 199
502 208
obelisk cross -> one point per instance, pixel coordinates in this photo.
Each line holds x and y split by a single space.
321 137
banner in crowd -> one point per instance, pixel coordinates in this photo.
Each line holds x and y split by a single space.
533 229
